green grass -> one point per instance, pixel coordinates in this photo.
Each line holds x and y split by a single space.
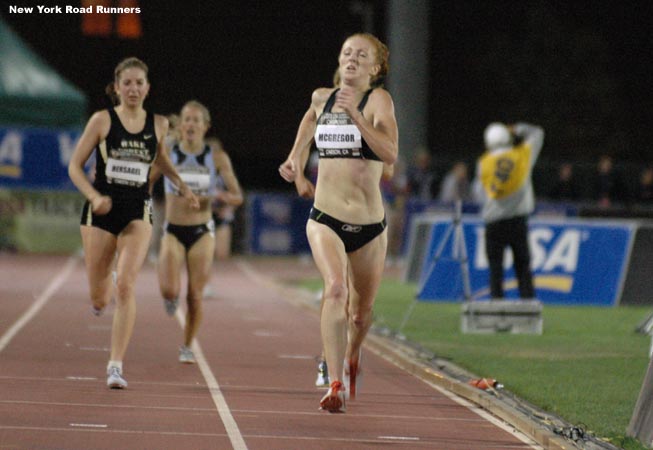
587 367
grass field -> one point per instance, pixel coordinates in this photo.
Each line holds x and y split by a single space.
587 367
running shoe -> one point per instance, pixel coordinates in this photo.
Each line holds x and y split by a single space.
186 355
209 292
115 379
334 400
322 375
171 306
351 377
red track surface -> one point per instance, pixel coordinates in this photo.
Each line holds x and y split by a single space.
254 391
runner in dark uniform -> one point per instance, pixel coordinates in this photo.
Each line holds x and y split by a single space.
116 219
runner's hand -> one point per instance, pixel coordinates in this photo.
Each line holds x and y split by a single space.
305 188
188 195
101 205
287 170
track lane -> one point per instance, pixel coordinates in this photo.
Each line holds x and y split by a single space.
258 346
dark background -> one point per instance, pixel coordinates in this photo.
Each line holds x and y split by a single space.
581 69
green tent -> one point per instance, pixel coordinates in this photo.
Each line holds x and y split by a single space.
31 92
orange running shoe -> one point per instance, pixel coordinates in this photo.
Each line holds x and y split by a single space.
334 400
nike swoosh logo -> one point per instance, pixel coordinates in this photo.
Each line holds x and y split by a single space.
147 136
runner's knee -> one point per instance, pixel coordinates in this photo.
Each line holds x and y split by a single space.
124 288
336 290
360 318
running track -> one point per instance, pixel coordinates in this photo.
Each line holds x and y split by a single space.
252 389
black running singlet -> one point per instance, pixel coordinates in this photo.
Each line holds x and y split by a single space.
336 135
123 160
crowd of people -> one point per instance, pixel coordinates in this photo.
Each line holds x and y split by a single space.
606 183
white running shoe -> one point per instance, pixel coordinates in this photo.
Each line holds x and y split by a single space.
115 379
186 355
322 375
209 292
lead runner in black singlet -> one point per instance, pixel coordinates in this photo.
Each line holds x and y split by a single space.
117 217
355 131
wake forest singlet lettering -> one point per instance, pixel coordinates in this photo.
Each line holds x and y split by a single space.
197 171
336 135
123 159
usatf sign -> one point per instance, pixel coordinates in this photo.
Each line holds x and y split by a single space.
576 262
36 159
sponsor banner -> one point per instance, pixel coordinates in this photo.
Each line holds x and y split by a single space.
416 206
574 262
33 158
277 223
40 222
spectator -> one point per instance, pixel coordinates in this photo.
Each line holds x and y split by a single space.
608 186
565 187
645 187
456 185
421 179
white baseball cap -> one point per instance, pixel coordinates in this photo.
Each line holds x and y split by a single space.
497 135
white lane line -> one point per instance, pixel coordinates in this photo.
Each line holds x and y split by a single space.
399 438
89 425
297 356
40 302
107 405
230 425
81 378
113 431
95 349
258 277
490 418
469 405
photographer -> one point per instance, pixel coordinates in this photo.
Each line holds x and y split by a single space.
504 172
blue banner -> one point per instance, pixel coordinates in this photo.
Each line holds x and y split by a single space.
277 223
415 206
574 262
33 158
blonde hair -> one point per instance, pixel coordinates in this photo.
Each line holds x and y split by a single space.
173 128
382 59
206 115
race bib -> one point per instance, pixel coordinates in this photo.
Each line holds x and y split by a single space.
199 183
338 137
126 172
